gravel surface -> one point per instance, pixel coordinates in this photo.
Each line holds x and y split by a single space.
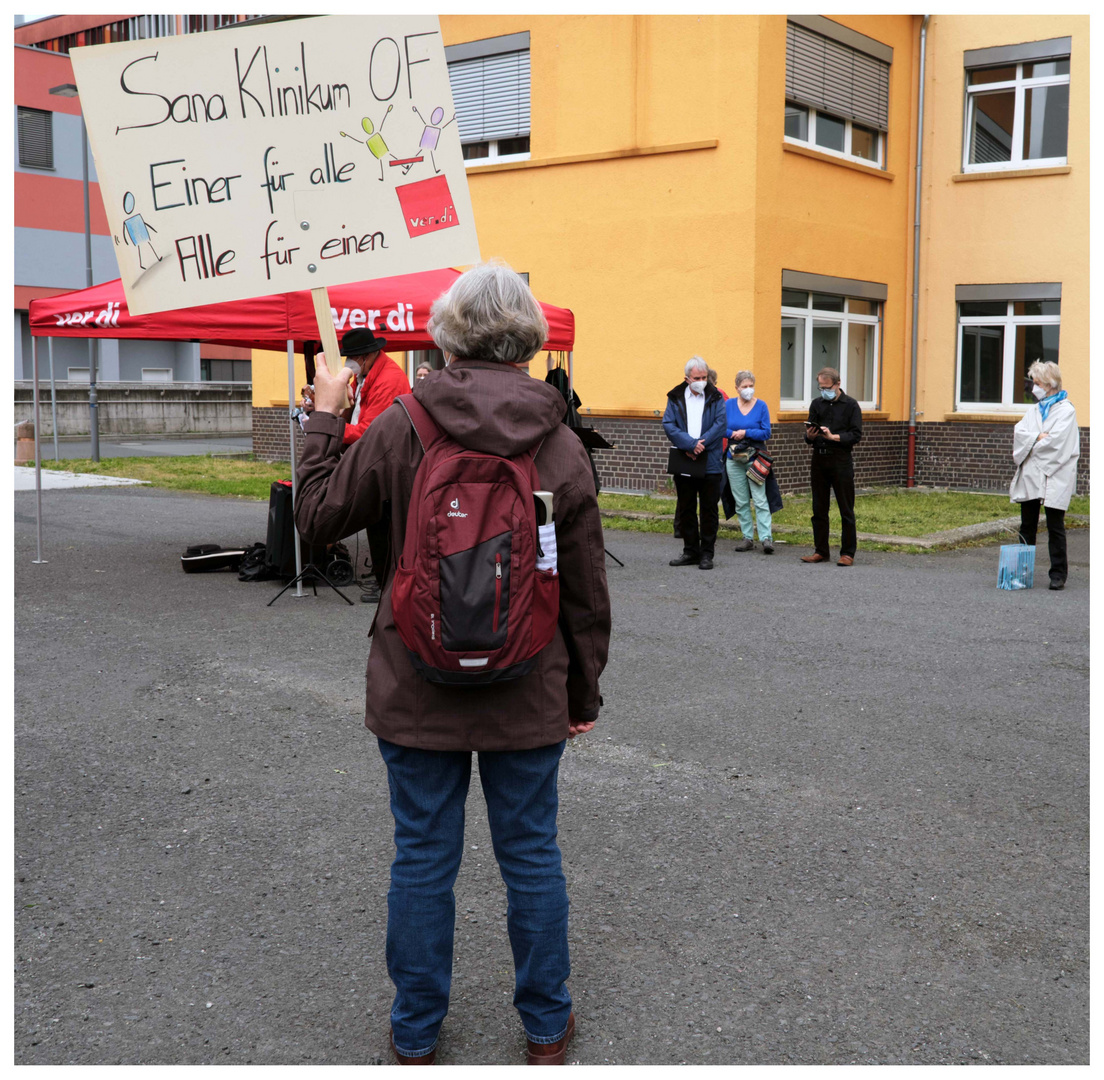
841 816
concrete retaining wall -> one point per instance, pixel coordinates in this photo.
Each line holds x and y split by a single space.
130 408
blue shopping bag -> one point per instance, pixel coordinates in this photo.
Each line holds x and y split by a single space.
1016 569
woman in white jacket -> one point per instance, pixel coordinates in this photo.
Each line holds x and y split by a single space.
1045 447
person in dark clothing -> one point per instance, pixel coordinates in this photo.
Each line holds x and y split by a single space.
833 428
695 423
488 325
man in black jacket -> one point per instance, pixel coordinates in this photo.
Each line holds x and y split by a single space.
833 427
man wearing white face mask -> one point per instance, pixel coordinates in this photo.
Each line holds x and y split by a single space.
694 421
833 427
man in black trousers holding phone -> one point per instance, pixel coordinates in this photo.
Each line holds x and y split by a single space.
833 428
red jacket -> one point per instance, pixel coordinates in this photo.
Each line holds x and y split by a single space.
383 383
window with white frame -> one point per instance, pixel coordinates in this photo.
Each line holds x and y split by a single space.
824 324
490 91
1017 106
837 90
1002 331
833 134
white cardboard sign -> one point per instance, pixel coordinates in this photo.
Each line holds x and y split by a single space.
267 159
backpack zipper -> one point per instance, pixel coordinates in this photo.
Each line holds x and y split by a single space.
498 591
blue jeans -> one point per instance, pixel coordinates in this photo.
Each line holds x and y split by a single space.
428 792
745 492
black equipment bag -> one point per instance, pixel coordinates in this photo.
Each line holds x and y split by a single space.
202 558
280 542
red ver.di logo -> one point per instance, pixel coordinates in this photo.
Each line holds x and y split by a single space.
427 206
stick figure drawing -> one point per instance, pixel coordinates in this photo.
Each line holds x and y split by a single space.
432 133
375 141
136 230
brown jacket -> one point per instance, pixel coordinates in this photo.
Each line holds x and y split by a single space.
491 408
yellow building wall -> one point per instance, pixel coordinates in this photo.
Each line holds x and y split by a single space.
270 378
665 255
1030 228
654 253
821 216
660 205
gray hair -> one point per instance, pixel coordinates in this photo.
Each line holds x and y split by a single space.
696 363
1046 371
745 376
488 313
712 376
425 365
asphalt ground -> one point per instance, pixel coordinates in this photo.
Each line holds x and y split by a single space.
827 816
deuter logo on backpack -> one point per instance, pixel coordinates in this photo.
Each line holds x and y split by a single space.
471 601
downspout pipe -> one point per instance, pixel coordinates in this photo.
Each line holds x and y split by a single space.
911 479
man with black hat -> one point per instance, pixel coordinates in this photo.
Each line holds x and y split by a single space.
378 382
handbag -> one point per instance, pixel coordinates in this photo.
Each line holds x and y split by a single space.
741 451
759 467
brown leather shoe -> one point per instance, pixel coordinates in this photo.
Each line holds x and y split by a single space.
402 1059
846 560
551 1053
815 557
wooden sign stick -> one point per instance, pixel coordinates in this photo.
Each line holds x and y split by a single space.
326 333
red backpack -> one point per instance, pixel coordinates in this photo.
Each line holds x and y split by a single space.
468 600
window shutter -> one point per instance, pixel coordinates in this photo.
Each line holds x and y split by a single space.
36 138
836 78
491 96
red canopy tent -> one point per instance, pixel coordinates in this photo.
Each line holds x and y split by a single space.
396 307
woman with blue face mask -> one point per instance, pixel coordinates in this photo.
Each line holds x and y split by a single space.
1045 447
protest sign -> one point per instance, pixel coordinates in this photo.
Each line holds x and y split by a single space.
271 158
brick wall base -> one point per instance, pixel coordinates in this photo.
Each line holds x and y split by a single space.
974 457
977 456
270 435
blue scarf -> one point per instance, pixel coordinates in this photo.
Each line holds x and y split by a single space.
1053 399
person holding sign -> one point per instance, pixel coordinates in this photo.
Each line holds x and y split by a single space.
487 325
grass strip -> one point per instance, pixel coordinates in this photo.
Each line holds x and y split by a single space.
896 512
208 474
892 512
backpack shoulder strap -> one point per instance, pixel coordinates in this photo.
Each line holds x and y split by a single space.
425 427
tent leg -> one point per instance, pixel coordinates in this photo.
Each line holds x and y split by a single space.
38 460
570 374
53 394
294 481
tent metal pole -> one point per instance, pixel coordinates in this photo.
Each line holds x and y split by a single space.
93 352
53 394
38 459
570 374
291 451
